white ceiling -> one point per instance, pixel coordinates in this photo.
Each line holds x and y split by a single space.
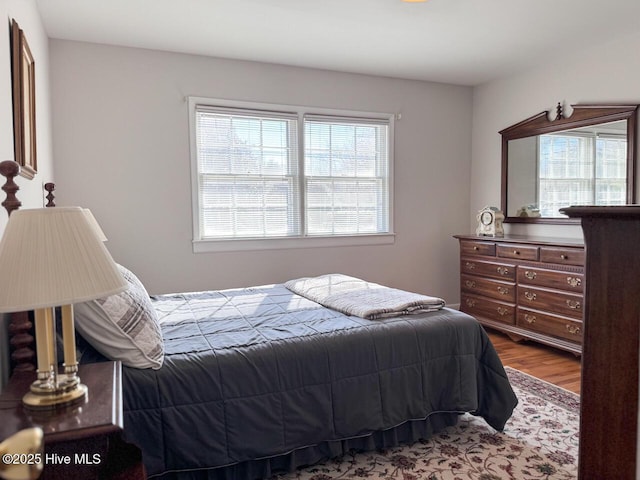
465 42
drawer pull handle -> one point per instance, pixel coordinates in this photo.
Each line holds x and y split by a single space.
574 281
530 275
471 303
516 252
530 296
470 265
573 304
470 283
530 318
502 311
503 271
476 248
573 330
503 290
564 257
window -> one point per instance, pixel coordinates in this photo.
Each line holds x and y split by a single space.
283 176
248 174
581 169
346 176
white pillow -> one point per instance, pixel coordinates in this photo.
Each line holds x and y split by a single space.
123 326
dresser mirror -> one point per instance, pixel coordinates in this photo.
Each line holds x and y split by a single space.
587 158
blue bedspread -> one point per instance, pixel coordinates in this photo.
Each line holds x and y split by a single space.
261 372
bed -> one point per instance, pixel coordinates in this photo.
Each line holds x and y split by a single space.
255 381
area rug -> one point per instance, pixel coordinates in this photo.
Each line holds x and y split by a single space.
540 441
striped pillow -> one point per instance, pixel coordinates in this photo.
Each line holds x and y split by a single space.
123 326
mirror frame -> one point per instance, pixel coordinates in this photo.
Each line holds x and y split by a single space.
582 116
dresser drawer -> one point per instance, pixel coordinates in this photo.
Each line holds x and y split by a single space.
552 301
504 291
504 271
555 325
562 256
517 251
470 247
489 309
569 281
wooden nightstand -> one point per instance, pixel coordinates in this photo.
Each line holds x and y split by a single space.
82 441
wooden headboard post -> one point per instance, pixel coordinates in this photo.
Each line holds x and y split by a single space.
22 342
50 187
10 170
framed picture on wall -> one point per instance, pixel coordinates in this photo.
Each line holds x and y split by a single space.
24 102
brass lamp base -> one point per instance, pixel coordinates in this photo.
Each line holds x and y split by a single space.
43 397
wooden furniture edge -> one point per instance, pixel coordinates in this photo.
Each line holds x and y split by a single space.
610 371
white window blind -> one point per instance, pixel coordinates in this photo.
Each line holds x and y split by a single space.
247 174
346 176
611 170
581 169
289 176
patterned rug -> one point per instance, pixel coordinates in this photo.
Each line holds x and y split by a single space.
540 441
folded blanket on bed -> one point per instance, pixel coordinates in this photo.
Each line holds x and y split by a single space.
360 298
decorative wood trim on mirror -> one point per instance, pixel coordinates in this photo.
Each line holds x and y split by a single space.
582 116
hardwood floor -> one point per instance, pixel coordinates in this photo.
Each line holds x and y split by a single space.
550 364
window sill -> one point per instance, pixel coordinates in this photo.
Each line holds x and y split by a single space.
208 246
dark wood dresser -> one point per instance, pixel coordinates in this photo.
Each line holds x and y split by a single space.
528 287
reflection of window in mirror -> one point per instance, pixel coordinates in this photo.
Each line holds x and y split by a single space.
582 167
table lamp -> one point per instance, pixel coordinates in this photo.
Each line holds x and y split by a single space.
54 257
27 443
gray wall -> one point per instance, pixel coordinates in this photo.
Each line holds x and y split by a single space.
121 145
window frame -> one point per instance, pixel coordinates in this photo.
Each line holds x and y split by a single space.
203 245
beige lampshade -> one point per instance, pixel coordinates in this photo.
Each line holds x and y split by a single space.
51 257
94 223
